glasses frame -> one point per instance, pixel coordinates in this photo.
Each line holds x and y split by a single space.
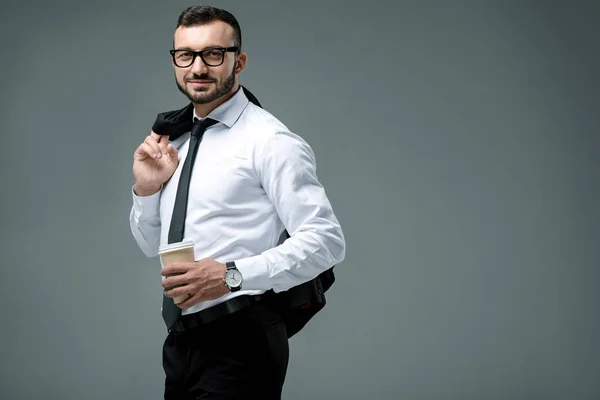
200 53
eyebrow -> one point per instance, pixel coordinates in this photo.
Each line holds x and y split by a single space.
207 47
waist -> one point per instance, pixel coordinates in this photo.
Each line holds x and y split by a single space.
205 305
222 310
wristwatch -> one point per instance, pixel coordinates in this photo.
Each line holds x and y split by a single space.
233 277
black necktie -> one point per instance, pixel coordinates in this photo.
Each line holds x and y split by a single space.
170 311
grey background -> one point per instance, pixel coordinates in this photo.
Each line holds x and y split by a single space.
458 142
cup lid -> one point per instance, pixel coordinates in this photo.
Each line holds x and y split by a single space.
176 246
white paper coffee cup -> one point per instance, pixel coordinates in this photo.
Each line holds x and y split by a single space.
177 252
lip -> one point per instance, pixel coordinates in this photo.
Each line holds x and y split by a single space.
199 82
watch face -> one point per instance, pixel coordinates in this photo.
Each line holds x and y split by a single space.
233 278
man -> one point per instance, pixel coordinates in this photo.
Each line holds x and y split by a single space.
253 182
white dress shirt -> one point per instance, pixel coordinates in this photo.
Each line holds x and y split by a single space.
252 180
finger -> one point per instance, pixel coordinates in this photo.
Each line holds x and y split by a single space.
174 269
191 301
144 151
172 153
175 280
154 145
177 291
162 140
156 136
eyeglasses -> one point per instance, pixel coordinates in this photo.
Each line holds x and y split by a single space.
213 57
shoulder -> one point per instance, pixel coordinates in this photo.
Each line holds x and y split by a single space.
265 129
260 122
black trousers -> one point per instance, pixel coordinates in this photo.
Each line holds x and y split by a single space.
240 356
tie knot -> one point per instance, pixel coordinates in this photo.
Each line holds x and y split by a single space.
201 125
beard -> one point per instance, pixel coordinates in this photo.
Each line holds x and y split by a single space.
204 95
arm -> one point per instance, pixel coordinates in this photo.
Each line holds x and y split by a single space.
287 169
154 162
144 221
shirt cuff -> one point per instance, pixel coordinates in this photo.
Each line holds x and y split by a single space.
255 273
146 205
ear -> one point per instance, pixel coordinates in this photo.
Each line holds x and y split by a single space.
240 62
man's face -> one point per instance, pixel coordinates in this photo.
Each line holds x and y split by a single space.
201 83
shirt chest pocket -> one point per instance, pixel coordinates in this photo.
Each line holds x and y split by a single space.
224 181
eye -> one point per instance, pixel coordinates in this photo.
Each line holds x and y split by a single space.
184 54
212 53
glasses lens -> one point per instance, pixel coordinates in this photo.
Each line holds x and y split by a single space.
183 58
212 56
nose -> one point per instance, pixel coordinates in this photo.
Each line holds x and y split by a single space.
198 67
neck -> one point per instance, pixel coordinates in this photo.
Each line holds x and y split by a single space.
202 110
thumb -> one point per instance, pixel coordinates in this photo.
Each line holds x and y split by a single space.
172 154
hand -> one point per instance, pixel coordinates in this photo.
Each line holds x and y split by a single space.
154 162
201 280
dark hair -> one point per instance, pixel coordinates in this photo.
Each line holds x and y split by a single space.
203 14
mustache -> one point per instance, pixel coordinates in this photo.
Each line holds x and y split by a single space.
204 77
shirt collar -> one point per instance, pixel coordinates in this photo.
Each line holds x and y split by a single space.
229 112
